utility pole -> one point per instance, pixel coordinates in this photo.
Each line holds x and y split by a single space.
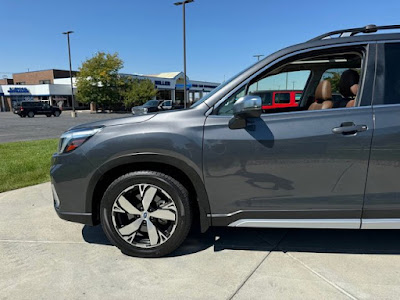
73 113
185 95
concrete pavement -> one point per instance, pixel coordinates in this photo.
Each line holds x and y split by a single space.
43 257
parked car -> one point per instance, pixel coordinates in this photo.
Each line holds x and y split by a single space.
147 179
152 106
278 99
32 108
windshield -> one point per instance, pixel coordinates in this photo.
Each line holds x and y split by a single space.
151 103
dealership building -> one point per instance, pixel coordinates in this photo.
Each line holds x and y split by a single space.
53 86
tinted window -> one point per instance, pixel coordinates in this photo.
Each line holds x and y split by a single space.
298 97
282 98
392 74
151 103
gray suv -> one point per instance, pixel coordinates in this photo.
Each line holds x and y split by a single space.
328 162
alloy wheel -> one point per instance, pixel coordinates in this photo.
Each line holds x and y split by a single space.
144 215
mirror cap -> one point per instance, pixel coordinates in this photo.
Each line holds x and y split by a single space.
248 106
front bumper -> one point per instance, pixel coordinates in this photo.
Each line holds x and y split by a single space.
70 180
84 218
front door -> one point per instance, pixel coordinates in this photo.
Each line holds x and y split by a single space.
294 166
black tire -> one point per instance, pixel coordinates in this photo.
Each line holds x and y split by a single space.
31 114
179 196
21 116
57 113
48 115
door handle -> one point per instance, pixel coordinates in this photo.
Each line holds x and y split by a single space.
349 128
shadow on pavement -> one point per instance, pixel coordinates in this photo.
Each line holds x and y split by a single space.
285 240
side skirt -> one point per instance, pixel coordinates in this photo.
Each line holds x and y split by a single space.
319 223
298 223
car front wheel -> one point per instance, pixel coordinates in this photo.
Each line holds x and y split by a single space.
57 113
146 214
31 114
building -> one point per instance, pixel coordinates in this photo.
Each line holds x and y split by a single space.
40 77
54 87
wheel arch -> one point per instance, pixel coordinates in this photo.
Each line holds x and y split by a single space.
168 165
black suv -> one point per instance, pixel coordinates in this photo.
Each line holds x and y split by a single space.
330 162
32 108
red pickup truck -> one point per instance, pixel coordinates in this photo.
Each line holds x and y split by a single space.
279 99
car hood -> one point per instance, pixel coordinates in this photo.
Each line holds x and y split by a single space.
114 122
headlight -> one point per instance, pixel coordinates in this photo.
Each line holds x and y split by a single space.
71 140
145 110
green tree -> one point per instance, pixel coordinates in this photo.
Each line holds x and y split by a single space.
98 79
139 91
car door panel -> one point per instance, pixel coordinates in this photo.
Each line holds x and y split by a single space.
288 165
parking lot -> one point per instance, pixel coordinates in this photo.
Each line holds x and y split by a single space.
13 128
44 257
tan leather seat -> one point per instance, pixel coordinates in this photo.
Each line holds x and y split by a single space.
354 90
323 96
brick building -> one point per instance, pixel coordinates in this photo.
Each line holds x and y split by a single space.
40 77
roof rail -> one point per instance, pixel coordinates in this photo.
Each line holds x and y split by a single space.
353 31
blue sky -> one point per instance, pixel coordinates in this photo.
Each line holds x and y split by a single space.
222 35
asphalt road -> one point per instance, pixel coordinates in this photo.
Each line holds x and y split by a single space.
44 257
13 128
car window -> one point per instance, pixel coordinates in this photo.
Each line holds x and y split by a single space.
294 85
151 103
392 74
227 107
297 97
295 80
333 75
282 98
266 87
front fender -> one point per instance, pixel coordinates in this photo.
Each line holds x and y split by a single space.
143 158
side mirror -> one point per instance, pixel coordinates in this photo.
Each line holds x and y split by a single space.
248 106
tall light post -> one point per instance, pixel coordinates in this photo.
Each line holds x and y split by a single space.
184 49
73 113
258 59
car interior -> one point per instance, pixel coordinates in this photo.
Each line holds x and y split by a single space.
327 81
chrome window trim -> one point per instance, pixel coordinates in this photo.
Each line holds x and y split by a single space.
239 86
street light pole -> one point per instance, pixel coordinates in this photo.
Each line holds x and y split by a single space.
258 59
73 113
184 50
